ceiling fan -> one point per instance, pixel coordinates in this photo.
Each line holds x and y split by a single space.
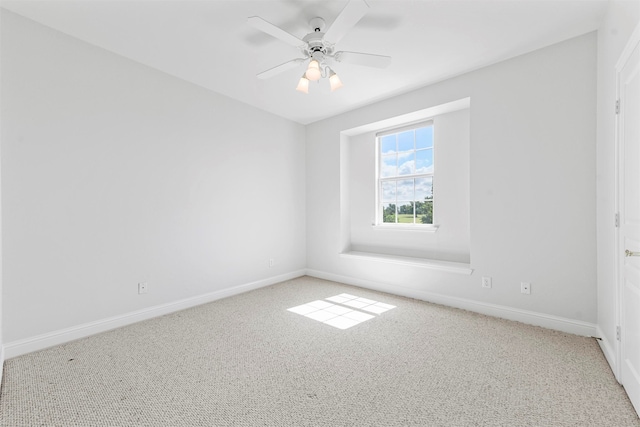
318 47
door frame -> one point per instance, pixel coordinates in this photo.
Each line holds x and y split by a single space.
634 40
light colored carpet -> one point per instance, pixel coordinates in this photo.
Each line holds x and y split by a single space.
247 361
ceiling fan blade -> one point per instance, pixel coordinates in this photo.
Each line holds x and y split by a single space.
280 68
350 15
272 30
366 59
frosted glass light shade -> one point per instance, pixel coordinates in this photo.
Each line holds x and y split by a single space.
334 81
303 85
313 71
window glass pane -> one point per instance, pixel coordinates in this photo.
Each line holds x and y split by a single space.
405 189
388 191
424 189
389 212
406 163
424 137
388 144
405 141
405 212
424 161
388 166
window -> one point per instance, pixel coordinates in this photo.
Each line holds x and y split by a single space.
405 175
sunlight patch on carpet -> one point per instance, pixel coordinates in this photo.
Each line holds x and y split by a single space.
341 316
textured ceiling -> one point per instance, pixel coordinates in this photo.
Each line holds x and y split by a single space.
209 42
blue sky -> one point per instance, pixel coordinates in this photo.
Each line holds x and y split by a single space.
404 154
407 153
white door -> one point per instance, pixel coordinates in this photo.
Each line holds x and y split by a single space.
629 219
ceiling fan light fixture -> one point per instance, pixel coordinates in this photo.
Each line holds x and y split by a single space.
318 46
334 80
313 72
303 85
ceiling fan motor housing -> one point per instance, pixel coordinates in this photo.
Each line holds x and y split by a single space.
315 43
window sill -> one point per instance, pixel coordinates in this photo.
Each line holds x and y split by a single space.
406 227
452 267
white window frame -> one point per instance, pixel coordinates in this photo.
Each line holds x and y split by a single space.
379 217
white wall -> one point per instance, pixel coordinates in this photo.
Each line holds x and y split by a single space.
451 191
532 165
1 335
114 173
620 20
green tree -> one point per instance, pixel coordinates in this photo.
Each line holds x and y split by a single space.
406 209
427 211
389 213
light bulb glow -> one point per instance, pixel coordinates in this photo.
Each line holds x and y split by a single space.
334 81
303 85
313 71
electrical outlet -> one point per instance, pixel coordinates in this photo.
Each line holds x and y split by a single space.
486 282
272 262
143 287
525 288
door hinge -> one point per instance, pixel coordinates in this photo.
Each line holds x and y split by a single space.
617 220
618 333
617 106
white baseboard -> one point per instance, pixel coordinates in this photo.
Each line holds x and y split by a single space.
39 342
609 352
529 317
